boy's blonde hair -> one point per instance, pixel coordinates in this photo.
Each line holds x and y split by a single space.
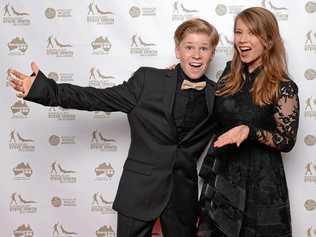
196 25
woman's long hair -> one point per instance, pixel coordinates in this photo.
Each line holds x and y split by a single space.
264 25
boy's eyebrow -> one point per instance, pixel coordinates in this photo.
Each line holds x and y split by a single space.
190 42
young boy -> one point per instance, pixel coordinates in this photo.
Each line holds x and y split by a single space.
170 117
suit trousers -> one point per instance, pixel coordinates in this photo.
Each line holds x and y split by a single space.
171 225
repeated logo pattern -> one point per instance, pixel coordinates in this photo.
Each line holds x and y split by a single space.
50 170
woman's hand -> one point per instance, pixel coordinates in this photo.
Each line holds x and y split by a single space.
235 135
22 83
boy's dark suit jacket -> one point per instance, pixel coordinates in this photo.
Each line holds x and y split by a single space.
148 179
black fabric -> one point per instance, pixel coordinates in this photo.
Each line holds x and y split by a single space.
131 227
245 191
171 224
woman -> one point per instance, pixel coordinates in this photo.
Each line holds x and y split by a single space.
245 192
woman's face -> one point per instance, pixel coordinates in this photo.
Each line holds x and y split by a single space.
248 45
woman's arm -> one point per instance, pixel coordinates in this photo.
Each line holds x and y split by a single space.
286 115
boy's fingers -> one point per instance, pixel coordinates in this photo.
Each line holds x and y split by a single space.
17 74
17 82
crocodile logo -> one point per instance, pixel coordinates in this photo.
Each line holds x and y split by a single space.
8 9
60 231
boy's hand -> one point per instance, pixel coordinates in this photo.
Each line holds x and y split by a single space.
22 83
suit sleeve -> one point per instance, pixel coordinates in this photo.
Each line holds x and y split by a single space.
123 97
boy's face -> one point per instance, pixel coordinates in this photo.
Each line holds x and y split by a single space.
195 53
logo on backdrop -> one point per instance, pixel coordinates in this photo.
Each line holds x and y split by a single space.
310 42
105 231
59 113
22 171
99 79
310 173
101 205
17 46
20 205
310 205
99 15
101 45
310 105
104 172
63 202
15 16
183 11
62 175
310 7
280 12
20 109
61 76
141 47
310 74
310 140
222 9
225 46
310 231
57 48
24 230
101 115
52 13
60 231
20 143
55 140
102 143
136 11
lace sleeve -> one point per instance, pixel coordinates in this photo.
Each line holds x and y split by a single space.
286 115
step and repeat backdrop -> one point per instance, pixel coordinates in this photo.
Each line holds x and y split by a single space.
60 168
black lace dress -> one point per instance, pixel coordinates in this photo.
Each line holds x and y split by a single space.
245 192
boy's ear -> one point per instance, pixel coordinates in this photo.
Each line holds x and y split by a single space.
213 52
176 50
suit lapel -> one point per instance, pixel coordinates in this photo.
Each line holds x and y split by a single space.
169 96
210 96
